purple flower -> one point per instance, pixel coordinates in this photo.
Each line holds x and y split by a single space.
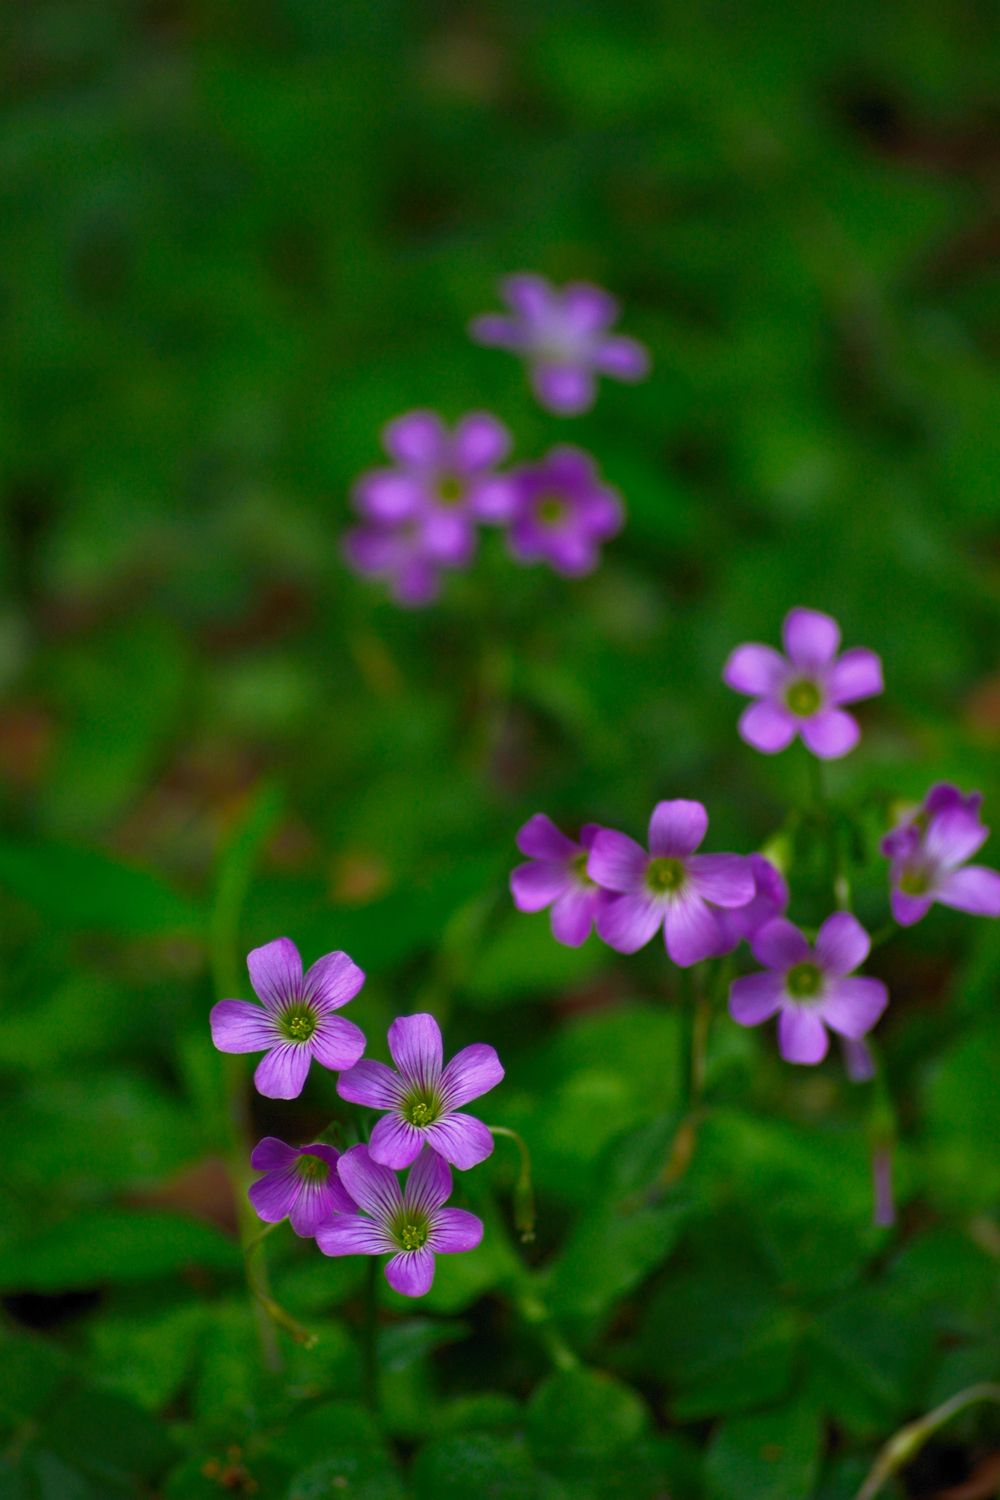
410 1226
808 986
557 877
563 512
859 1065
297 1022
421 515
669 887
423 1097
300 1183
770 900
564 339
929 853
803 693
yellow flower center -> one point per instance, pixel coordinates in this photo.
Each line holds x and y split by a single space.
299 1022
664 875
413 1236
914 883
803 698
419 1111
804 981
550 510
450 490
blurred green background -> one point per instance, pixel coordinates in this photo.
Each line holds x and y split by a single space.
238 237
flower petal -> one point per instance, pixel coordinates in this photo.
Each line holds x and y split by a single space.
726 879
479 441
454 1230
841 944
332 981
830 733
461 1139
494 499
677 828
370 1184
528 294
538 884
411 1273
756 670
628 923
353 1234
852 1006
689 930
975 889
622 358
588 308
495 331
811 639
779 945
273 1195
240 1026
428 1183
770 900
617 862
565 390
756 997
802 1036
417 437
954 836
909 909
541 839
337 1043
271 1154
395 1142
858 1061
857 674
472 1072
276 972
388 497
371 1083
767 726
416 584
282 1072
415 1044
316 1203
573 914
944 794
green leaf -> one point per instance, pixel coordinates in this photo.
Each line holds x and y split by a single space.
32 1372
963 1125
110 1439
882 1343
525 959
400 1344
333 1448
114 1244
79 887
579 1418
774 1456
474 1464
147 1359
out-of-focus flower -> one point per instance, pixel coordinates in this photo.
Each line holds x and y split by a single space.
770 900
562 334
563 512
423 1098
803 693
884 1209
858 1061
296 1022
557 877
411 1226
670 886
809 986
420 516
929 851
300 1183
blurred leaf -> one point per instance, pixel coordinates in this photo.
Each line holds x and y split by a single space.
774 1456
32 1372
147 1359
110 1439
526 959
581 1418
82 888
475 1463
114 1244
963 1128
400 1344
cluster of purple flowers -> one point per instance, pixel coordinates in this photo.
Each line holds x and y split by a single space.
351 1202
420 517
707 903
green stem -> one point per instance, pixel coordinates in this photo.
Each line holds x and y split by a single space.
817 783
700 1028
235 872
524 1197
904 1446
535 1313
884 933
369 1336
274 1310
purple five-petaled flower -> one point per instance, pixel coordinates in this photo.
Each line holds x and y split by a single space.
770 900
562 512
929 850
809 986
296 1022
300 1183
423 1098
670 886
803 692
411 1226
557 877
421 515
563 336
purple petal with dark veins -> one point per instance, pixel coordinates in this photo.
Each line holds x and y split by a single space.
428 1183
572 915
274 1195
954 836
276 972
415 1044
454 1230
371 1083
271 1154
395 1142
370 1184
461 1139
332 981
411 1273
472 1072
337 1043
239 1026
725 879
282 1072
353 1234
617 862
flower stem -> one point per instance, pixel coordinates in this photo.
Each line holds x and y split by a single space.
904 1446
524 1196
274 1310
234 874
534 1312
369 1336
